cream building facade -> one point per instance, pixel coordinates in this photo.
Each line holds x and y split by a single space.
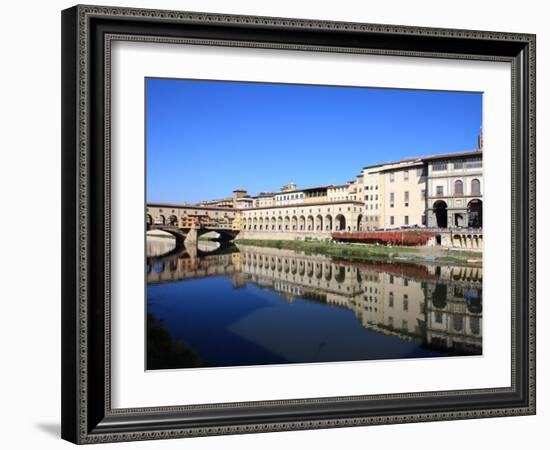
372 197
438 192
300 221
455 186
403 195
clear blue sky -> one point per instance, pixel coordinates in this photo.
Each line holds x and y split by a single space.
206 138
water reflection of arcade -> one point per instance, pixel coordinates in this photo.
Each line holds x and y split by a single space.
441 306
453 317
183 267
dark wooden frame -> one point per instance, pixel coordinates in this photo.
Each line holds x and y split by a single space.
87 31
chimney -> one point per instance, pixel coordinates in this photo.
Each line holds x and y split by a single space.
480 141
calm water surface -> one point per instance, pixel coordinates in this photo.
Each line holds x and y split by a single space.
242 305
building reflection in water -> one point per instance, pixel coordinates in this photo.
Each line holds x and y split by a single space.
437 306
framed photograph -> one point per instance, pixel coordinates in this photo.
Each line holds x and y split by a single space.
279 224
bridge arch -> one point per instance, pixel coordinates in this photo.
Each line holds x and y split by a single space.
162 219
173 220
149 219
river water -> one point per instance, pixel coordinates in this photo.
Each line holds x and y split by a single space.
241 305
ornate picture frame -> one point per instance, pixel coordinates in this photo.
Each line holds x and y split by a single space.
87 35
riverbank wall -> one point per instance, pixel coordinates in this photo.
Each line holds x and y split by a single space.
285 235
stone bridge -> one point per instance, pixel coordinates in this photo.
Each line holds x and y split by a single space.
188 235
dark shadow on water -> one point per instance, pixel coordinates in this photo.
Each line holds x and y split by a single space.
164 352
53 429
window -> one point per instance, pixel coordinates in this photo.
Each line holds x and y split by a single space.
391 220
473 163
390 303
476 187
406 220
459 164
423 219
406 175
392 199
392 177
439 190
439 166
406 198
458 187
405 303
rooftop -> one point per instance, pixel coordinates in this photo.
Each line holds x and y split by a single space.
186 206
307 205
453 155
416 161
